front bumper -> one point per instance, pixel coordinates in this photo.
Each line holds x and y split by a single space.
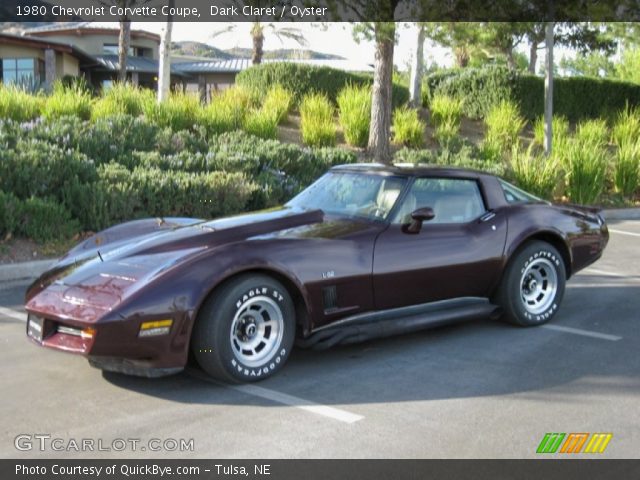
119 345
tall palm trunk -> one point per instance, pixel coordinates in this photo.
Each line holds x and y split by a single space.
124 40
257 34
164 74
380 126
415 85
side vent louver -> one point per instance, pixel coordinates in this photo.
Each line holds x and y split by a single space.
330 297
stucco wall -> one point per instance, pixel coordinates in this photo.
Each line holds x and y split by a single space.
66 65
93 43
16 51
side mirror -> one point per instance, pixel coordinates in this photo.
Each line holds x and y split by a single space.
418 216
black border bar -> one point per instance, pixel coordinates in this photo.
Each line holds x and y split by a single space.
547 469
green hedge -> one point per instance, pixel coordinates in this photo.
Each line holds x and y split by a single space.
41 219
117 168
574 97
302 79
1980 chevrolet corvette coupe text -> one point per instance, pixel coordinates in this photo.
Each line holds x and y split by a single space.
366 251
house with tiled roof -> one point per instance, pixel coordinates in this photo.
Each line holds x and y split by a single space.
41 55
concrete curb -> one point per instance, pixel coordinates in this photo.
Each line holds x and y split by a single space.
621 213
24 270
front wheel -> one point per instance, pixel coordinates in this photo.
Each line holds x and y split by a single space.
532 286
245 330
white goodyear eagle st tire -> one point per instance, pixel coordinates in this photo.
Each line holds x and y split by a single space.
245 330
533 285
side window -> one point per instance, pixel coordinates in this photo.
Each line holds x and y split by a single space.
514 195
453 200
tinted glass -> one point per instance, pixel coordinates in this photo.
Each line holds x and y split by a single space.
352 194
515 195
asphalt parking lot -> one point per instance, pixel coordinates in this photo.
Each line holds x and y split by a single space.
477 390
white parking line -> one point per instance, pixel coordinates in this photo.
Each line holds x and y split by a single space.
284 399
600 272
301 403
622 232
274 396
584 333
7 312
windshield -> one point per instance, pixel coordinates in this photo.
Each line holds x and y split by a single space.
352 194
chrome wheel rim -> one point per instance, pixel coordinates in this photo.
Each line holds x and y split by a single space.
256 331
538 286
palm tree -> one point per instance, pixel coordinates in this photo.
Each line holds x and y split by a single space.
258 30
164 65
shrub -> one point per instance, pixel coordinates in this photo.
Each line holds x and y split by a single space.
354 103
40 169
180 111
302 79
316 122
478 90
227 110
123 99
626 171
408 129
18 105
592 133
586 170
559 127
116 138
504 125
261 123
537 174
63 101
277 103
44 220
168 142
9 213
445 110
626 128
464 157
574 97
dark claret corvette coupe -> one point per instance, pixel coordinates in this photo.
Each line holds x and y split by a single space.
366 251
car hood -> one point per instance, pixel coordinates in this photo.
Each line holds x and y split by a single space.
102 271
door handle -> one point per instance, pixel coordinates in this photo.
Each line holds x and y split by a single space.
487 216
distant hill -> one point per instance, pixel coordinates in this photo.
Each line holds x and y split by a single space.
198 49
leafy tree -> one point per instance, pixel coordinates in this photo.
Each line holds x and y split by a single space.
592 64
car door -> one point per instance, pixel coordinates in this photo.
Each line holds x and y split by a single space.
456 254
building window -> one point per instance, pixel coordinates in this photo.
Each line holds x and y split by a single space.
112 49
22 71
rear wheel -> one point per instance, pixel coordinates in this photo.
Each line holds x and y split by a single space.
533 284
245 330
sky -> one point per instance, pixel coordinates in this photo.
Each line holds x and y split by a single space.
335 38
332 37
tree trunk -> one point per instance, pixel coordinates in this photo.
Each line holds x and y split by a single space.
124 40
533 58
380 125
548 91
511 60
164 74
415 85
258 43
